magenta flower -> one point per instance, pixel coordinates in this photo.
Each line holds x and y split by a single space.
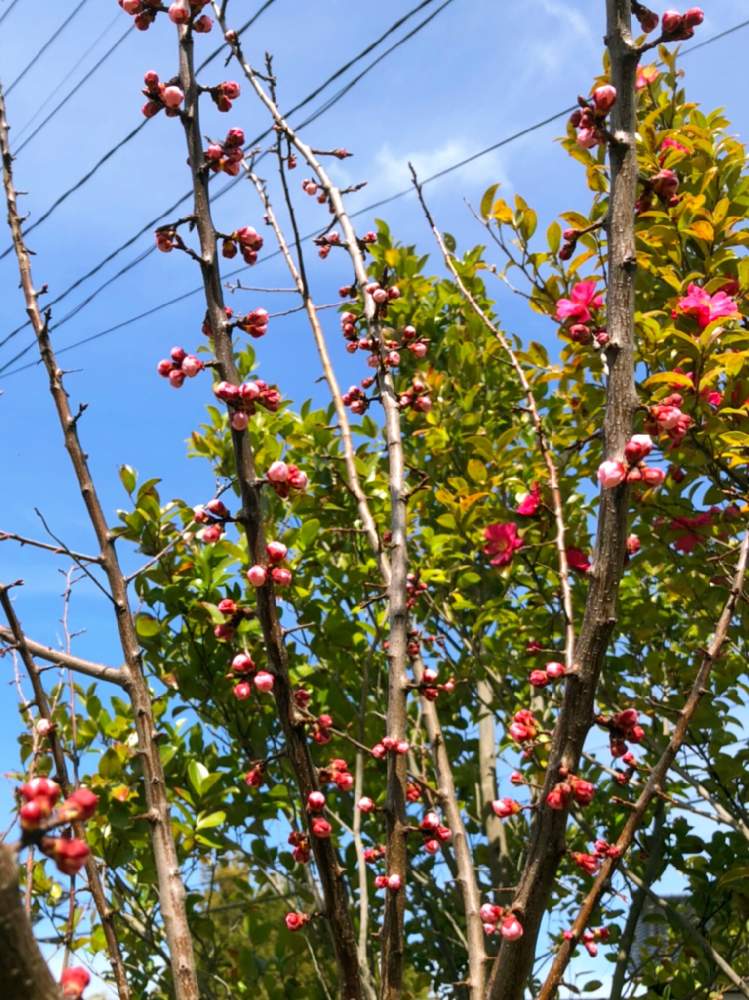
583 298
502 540
530 503
706 307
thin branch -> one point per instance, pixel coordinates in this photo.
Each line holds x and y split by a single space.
60 550
100 672
170 885
655 782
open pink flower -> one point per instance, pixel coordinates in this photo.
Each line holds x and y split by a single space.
706 307
530 503
583 298
501 542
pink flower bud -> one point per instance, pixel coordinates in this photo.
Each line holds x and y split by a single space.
257 575
638 447
671 22
555 670
402 746
278 472
44 727
176 378
315 801
263 682
73 982
172 97
611 474
281 577
653 477
239 421
242 663
242 691
394 883
179 12
276 551
538 678
366 805
295 921
604 98
505 807
511 929
230 89
380 296
694 16
319 827
191 366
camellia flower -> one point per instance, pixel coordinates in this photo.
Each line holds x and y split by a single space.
706 307
502 541
295 921
583 298
530 502
577 560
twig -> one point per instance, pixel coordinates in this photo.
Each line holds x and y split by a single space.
60 550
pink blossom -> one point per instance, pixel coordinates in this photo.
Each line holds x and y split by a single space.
530 502
505 807
511 928
706 307
577 560
502 540
583 298
611 474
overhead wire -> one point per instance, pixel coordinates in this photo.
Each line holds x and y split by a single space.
74 90
7 10
222 191
40 52
82 181
366 209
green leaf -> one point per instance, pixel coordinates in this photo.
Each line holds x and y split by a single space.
212 819
196 774
147 626
128 477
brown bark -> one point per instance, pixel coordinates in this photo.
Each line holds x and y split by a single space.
92 872
654 784
23 972
547 837
297 748
170 886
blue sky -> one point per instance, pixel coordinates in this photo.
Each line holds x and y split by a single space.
481 70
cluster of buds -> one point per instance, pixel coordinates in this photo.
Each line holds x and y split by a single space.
302 850
40 812
648 19
553 671
435 833
74 981
322 729
214 516
142 11
613 473
161 96
389 744
429 687
373 854
416 396
497 920
245 398
296 921
667 417
587 863
581 312
413 792
326 242
286 478
244 667
417 344
179 366
258 574
233 614
390 882
314 190
504 808
319 826
255 323
590 939
255 776
589 119
524 726
415 587
356 399
185 11
337 772
570 789
664 186
226 156
246 241
223 94
381 296
678 27
623 728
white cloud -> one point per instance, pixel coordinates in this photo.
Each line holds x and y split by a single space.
390 170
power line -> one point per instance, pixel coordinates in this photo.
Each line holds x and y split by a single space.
367 208
8 10
82 181
52 38
227 187
74 90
